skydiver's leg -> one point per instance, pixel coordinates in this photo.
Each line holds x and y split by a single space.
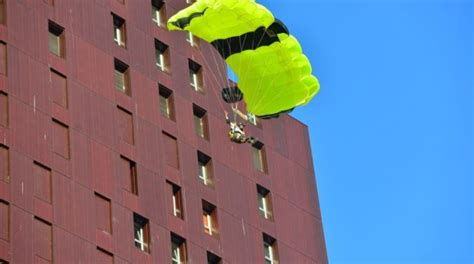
251 140
241 138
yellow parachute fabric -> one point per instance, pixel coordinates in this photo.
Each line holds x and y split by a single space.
222 18
272 71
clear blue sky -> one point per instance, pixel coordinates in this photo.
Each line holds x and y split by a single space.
391 128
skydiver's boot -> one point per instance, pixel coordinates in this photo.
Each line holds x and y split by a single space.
252 140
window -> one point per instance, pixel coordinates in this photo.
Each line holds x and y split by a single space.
4 113
43 182
209 218
4 163
191 39
178 249
264 202
270 249
176 200
120 34
205 168
56 39
195 76
125 123
4 220
200 122
103 214
162 56
59 88
131 167
166 102
171 150
213 259
42 240
61 139
259 157
3 58
142 232
158 12
122 77
3 18
104 257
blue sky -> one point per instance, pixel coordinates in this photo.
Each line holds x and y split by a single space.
391 128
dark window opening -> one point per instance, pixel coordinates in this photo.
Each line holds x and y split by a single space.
178 249
120 34
166 102
3 14
4 113
213 259
192 40
205 169
122 77
209 218
133 175
4 220
162 56
259 157
56 39
195 76
201 126
158 12
270 249
264 202
176 200
142 232
3 58
4 163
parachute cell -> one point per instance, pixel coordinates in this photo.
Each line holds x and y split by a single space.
272 71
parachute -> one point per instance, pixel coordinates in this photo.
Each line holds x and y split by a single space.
273 74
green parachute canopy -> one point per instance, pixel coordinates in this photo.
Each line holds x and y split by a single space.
272 71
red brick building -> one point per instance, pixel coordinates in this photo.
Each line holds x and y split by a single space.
114 148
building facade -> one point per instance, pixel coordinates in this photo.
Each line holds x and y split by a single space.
114 148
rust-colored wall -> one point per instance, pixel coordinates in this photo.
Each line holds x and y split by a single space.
38 130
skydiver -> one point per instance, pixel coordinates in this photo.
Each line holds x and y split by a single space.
236 131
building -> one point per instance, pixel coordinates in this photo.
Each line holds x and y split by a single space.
114 149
